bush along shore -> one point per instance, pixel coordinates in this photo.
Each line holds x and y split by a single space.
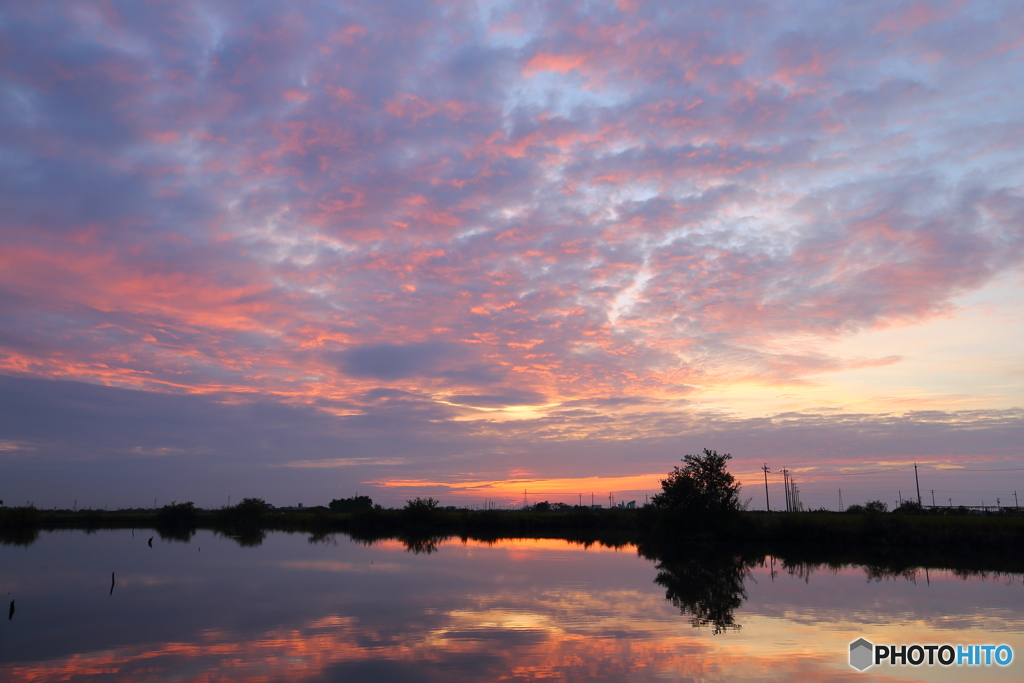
699 505
989 535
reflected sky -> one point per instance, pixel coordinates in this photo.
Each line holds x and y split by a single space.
337 610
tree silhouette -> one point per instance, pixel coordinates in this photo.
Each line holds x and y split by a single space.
704 583
421 505
354 504
701 485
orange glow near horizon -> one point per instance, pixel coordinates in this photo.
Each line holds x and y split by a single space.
565 487
637 225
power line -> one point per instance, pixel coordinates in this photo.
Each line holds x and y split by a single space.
951 470
961 469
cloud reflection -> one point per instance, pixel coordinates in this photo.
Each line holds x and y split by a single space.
560 611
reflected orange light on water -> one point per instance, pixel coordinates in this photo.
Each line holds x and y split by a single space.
552 653
608 626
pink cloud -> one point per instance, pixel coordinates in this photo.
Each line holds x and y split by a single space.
575 198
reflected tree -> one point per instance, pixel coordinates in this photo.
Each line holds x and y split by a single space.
19 526
708 586
177 521
18 535
879 573
422 545
175 534
322 537
247 537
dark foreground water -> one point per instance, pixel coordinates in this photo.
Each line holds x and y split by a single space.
336 610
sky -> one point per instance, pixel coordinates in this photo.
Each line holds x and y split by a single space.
305 250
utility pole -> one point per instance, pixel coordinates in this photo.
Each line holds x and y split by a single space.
767 503
918 486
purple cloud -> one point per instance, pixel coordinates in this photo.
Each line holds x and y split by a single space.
492 206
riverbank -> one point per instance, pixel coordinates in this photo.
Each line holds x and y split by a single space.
893 534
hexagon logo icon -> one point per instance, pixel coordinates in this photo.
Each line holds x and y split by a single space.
861 652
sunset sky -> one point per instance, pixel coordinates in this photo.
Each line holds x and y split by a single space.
300 250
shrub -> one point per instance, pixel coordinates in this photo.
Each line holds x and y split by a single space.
177 514
354 504
421 506
251 508
701 485
909 507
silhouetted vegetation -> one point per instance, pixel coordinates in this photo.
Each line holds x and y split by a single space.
354 504
944 530
249 512
19 526
873 507
699 505
707 583
245 536
702 486
909 507
420 506
177 517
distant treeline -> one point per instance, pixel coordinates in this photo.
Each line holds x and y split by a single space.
895 532
699 505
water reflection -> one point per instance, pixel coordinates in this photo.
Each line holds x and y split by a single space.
322 608
247 536
176 534
708 586
18 535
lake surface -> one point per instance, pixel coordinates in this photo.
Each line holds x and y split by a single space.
337 610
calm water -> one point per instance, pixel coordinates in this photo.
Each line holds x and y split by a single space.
336 610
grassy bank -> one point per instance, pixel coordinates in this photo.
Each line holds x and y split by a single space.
890 532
